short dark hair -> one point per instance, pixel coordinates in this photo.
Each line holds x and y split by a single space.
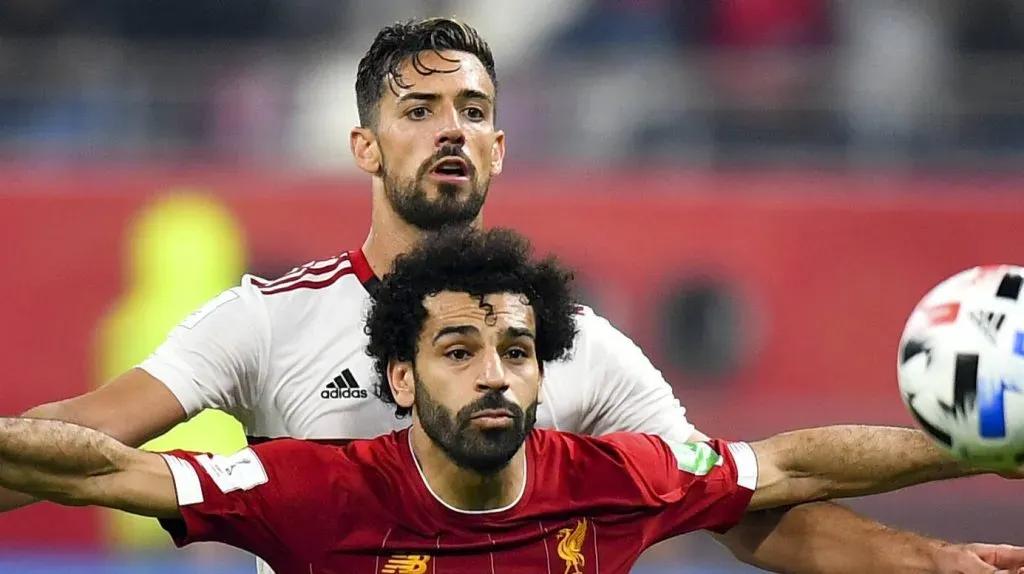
479 263
402 40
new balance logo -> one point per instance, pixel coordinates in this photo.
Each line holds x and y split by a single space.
344 386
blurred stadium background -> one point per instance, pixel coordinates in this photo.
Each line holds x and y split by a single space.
757 191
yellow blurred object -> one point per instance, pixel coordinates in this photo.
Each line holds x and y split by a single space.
183 249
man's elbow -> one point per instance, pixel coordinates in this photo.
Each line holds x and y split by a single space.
746 541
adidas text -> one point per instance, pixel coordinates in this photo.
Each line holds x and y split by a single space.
344 394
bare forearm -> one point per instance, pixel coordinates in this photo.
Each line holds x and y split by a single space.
74 465
155 411
54 460
850 460
826 538
12 499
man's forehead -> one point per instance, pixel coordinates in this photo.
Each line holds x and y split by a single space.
448 307
439 72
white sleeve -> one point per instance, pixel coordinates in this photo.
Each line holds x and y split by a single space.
214 358
625 391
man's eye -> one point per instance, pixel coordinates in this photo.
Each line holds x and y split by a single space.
418 113
458 354
475 114
517 354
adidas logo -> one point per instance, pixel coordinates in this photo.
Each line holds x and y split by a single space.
989 323
344 386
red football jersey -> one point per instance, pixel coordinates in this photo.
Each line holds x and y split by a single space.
589 505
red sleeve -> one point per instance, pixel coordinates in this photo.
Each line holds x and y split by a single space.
700 485
266 499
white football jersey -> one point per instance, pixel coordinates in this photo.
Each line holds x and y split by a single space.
288 358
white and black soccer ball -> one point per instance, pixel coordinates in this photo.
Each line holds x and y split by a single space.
961 365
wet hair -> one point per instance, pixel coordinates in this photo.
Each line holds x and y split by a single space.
479 263
394 44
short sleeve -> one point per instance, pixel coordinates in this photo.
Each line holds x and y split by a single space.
266 499
213 358
699 485
626 393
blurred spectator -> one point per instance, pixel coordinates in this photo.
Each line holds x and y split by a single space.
896 88
847 82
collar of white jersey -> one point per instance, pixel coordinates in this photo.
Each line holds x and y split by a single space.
361 267
426 483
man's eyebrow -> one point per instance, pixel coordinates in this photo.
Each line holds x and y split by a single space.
514 332
455 330
469 94
465 94
424 96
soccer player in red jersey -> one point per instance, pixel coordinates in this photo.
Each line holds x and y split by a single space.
459 333
285 356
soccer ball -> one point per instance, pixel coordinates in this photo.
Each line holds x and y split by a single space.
961 365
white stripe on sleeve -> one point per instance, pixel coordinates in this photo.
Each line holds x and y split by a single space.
186 481
746 464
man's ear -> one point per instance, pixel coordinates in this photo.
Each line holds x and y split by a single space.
498 154
540 385
403 383
365 149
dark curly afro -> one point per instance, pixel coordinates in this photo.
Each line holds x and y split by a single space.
479 263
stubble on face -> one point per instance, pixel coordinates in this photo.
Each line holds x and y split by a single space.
482 451
451 207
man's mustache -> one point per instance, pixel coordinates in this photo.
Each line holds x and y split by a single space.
491 401
448 150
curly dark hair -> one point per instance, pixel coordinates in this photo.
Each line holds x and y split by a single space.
479 263
395 43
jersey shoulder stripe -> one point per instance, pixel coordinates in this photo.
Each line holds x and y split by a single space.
312 275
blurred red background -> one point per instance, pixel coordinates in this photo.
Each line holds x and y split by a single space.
820 271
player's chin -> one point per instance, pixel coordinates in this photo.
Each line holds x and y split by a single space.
493 452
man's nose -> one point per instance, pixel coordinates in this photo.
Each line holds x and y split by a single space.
450 134
493 376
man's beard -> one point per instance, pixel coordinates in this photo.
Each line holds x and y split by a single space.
482 451
409 197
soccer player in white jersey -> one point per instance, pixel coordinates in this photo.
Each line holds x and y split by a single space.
286 356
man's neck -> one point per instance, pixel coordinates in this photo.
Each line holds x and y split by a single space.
390 235
465 489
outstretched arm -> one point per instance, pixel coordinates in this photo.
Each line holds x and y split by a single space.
154 411
845 461
826 538
77 466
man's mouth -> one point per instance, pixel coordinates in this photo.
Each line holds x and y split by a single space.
492 418
492 413
453 169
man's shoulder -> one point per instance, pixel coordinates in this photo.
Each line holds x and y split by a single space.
560 443
621 469
356 467
357 451
294 303
617 453
320 281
